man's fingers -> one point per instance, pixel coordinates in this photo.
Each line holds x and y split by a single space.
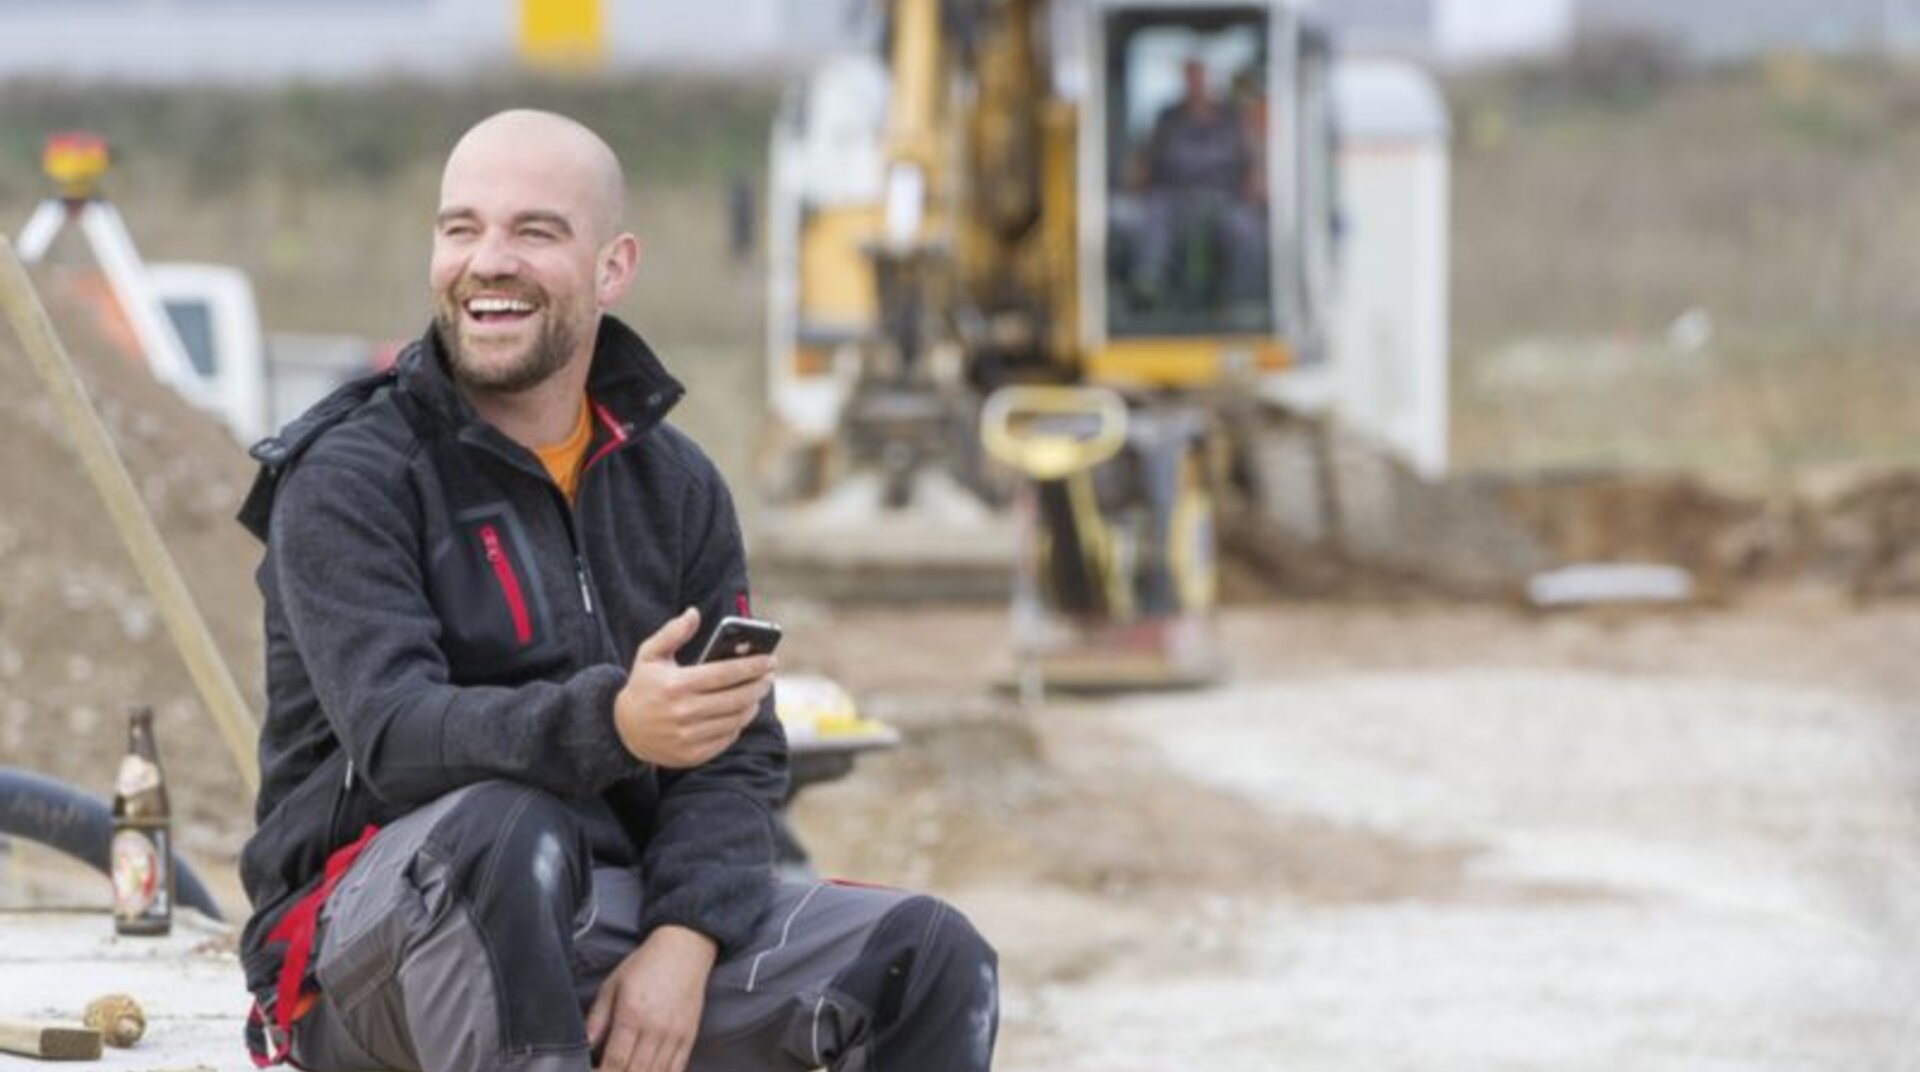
619 1053
673 1055
705 740
698 747
725 707
652 1053
682 716
711 677
668 638
713 737
597 1016
697 699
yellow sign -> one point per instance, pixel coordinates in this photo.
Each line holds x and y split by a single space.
564 34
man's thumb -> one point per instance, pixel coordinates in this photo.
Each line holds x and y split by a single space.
668 639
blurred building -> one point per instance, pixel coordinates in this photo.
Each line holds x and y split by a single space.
1450 32
1734 29
264 40
1391 27
1464 32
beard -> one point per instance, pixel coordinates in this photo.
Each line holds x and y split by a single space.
547 354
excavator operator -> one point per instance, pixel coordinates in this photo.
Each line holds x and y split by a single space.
1203 215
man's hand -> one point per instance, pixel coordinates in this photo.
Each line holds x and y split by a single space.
647 1014
681 716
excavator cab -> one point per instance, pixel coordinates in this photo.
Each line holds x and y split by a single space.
1205 221
1205 185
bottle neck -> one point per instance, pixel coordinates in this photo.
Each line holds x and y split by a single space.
140 733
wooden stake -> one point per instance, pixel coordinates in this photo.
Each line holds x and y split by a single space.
57 1042
130 518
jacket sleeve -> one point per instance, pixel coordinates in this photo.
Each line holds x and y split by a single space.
344 561
709 863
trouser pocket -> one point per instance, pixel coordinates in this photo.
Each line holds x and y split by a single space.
370 923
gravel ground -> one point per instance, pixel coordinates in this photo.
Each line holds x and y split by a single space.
1409 835
1676 874
1432 838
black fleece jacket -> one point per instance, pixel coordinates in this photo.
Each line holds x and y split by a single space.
437 614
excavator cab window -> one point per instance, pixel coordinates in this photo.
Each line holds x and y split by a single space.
1187 173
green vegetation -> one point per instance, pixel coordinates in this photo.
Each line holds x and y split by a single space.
323 193
669 129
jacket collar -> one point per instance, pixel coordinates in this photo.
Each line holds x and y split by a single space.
626 379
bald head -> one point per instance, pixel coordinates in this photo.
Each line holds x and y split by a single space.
528 252
561 154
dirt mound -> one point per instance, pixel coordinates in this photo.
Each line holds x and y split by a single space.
1482 535
1083 830
1867 535
80 639
985 792
1721 539
1857 532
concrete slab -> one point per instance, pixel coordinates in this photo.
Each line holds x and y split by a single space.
54 961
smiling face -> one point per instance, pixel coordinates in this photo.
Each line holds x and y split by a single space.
526 250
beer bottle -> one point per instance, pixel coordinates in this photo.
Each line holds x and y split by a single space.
142 845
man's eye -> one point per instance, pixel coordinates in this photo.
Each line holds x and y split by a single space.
457 230
537 234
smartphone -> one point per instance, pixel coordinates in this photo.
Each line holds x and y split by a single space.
736 637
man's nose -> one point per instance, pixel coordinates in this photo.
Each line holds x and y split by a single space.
493 257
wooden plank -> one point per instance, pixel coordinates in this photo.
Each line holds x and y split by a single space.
52 962
55 1042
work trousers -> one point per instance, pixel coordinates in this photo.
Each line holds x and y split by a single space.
474 933
1235 230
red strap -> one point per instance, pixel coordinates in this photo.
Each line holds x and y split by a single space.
261 1049
296 928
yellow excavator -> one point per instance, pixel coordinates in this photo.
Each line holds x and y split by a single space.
1069 238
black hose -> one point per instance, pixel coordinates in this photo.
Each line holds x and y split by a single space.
59 816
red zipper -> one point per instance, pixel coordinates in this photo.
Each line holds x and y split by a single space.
509 584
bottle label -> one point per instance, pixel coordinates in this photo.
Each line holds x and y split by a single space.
137 775
140 874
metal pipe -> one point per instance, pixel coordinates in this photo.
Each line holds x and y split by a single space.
60 816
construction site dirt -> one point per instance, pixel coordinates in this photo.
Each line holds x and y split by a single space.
1407 832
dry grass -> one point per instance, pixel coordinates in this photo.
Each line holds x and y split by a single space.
325 197
1775 199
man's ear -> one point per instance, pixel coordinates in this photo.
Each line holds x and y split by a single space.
615 272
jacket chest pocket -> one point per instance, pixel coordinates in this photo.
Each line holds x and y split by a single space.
493 609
